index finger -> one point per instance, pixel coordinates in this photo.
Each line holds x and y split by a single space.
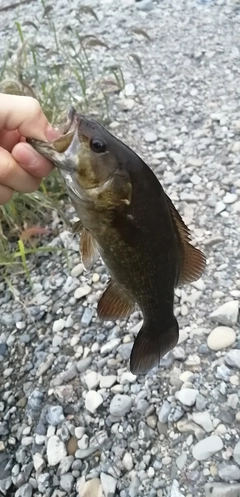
26 115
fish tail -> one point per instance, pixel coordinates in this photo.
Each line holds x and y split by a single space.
153 341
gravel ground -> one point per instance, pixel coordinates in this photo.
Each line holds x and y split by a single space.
74 420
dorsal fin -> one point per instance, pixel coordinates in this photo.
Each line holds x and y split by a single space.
193 260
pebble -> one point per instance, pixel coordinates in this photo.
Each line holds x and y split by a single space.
120 405
221 338
56 450
82 291
77 270
110 346
66 482
236 453
207 447
150 137
229 472
230 198
109 484
107 381
181 460
226 314
203 419
54 415
93 401
164 412
25 490
187 396
222 490
92 379
58 325
232 358
38 462
91 488
175 491
128 461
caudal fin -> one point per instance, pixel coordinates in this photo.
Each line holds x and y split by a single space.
153 342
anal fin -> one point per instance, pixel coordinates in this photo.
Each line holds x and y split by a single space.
114 303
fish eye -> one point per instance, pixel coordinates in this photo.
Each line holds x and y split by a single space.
98 145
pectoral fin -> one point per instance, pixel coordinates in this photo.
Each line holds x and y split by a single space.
193 260
114 303
77 227
88 249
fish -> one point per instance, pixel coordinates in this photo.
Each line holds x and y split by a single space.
127 219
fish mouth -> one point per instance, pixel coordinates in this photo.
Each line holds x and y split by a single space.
62 151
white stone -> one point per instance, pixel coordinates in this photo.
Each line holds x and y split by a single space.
109 484
120 405
221 338
175 492
77 270
187 396
207 447
127 377
91 488
108 381
203 419
230 198
226 314
56 450
82 291
128 461
38 462
185 376
92 379
150 137
58 325
93 401
110 346
236 453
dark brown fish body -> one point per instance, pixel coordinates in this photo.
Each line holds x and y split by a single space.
127 217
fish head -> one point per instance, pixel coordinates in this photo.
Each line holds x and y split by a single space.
88 158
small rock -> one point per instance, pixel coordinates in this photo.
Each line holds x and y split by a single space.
232 358
58 325
236 453
128 461
38 462
220 207
66 482
93 401
77 270
203 419
230 198
92 380
120 405
65 465
222 490
25 490
226 314
187 396
207 447
164 412
82 291
221 338
150 137
56 450
108 381
109 484
54 415
181 460
175 492
91 488
110 346
229 472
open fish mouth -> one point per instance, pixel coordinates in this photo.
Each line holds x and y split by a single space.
66 146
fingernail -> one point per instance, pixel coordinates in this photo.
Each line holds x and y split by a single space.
51 133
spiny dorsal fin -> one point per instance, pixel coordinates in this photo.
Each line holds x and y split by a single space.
77 227
114 303
193 260
88 249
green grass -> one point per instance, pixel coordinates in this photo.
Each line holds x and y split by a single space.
57 77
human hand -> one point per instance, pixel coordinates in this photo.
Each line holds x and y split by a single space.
21 167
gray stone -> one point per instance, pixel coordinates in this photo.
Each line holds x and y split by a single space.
150 136
181 460
65 465
54 415
222 490
66 482
120 405
5 484
232 358
109 484
236 453
187 396
124 350
24 491
203 419
229 472
83 364
110 346
175 491
207 447
226 314
164 412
